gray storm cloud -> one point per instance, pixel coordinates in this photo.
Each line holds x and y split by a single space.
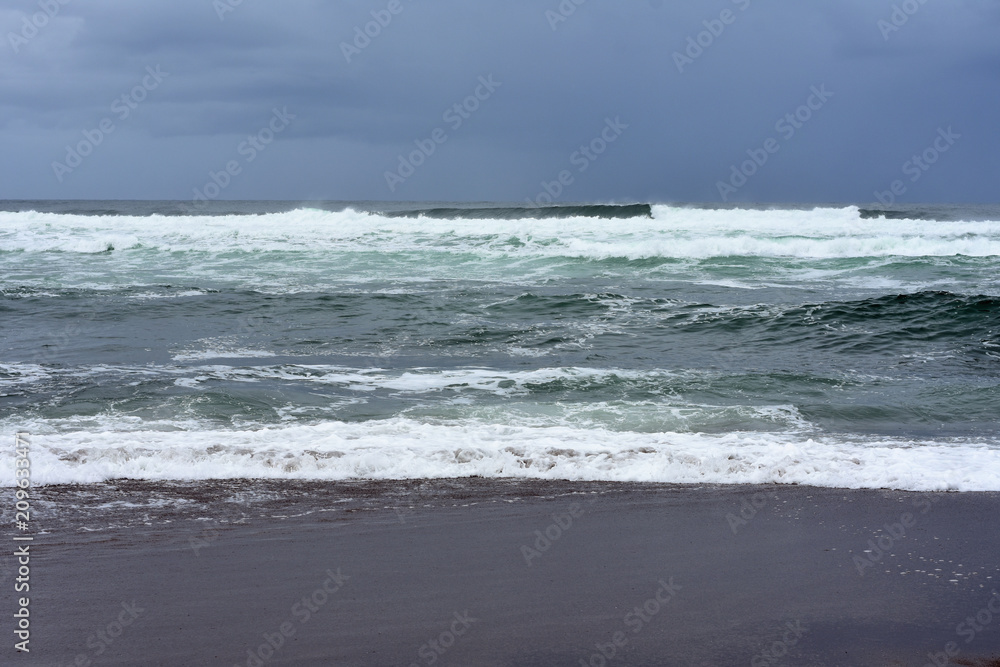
702 87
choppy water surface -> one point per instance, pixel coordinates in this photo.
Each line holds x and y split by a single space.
834 346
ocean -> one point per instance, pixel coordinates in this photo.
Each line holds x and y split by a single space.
833 346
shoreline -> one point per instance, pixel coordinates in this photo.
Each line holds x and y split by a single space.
511 572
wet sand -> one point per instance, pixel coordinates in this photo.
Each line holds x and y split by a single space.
513 573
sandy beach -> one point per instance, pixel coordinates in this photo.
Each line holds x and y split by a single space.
475 572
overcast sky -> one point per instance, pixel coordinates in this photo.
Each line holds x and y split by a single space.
183 85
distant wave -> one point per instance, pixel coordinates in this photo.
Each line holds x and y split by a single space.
939 212
480 210
606 211
593 232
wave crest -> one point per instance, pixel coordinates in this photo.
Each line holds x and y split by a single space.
401 448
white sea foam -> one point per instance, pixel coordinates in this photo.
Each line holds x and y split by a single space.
15 374
425 380
198 355
671 232
402 448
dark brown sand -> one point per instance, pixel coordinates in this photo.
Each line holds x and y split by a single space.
462 573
